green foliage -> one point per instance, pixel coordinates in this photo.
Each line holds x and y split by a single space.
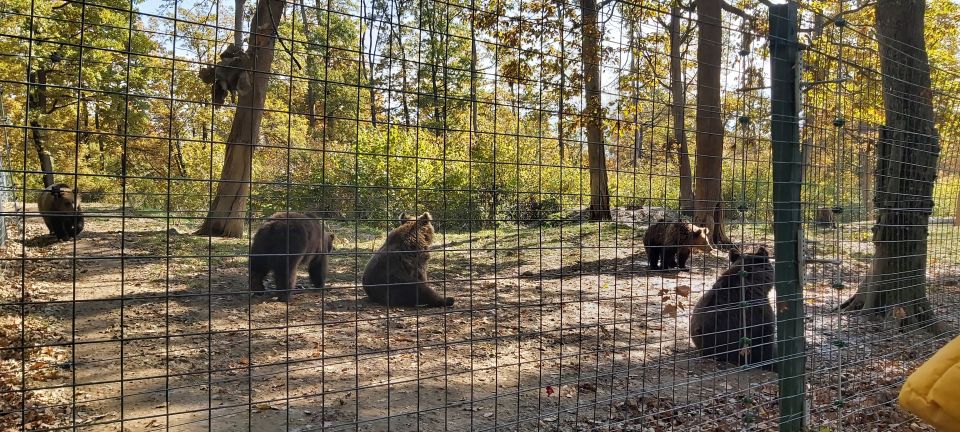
369 117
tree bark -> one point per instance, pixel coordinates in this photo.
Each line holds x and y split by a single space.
226 215
405 89
371 58
679 112
238 22
312 41
708 202
46 161
907 155
866 183
39 102
474 124
599 192
634 93
562 69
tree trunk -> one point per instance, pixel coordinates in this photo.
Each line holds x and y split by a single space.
238 22
866 183
226 218
100 146
906 167
599 192
709 157
371 61
433 63
474 125
181 164
635 94
562 68
39 102
46 161
679 112
312 42
405 89
956 211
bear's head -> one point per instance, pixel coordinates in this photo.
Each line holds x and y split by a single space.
417 230
329 241
755 268
698 238
424 227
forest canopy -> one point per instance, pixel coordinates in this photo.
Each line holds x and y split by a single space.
462 108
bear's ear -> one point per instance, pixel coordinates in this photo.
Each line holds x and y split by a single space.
404 218
425 218
734 255
762 251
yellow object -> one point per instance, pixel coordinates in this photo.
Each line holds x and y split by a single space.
932 392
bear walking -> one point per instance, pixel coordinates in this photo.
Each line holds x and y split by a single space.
669 244
396 274
736 310
60 208
282 244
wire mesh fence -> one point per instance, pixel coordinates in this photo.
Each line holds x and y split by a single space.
493 215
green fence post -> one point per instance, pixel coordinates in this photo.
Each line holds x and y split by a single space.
785 134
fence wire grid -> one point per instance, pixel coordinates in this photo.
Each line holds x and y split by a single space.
522 170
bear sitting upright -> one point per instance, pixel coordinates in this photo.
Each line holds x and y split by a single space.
396 274
285 241
736 310
669 244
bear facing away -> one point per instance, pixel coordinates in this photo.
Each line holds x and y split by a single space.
736 307
396 274
60 208
287 240
669 244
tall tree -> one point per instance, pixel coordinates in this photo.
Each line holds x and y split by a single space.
678 108
562 72
907 154
225 218
313 41
708 202
599 189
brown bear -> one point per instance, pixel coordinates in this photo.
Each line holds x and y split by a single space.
396 274
282 244
734 321
59 206
669 244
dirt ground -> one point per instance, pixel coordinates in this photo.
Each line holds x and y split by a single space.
138 325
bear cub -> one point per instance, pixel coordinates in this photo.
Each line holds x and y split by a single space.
717 324
60 208
282 244
669 244
396 274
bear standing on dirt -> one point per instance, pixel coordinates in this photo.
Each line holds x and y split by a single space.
280 245
735 310
396 274
669 244
60 208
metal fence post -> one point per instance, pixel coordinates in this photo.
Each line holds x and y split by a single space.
787 162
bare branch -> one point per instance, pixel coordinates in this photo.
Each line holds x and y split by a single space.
604 3
839 15
736 11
